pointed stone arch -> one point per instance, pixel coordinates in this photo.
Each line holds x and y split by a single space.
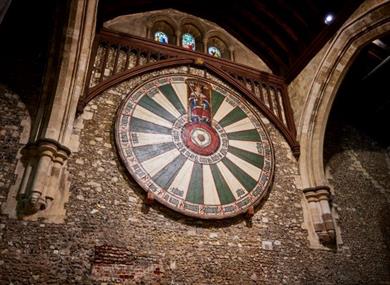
370 21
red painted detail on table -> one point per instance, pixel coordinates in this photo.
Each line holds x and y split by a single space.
207 137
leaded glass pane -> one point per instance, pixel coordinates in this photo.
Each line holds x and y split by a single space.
214 51
188 41
161 37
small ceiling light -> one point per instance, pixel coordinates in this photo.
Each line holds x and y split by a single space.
379 43
329 18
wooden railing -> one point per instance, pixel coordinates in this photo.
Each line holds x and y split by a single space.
116 57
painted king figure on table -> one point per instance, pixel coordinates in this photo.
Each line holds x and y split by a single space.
198 134
199 102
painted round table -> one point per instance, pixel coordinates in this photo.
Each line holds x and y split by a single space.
197 145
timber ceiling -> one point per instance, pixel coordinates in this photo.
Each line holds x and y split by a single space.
285 34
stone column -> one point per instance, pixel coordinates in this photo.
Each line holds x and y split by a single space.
318 199
42 189
149 31
205 42
231 53
178 37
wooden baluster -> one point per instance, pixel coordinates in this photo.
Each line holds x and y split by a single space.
116 59
288 112
277 104
148 56
282 109
103 66
92 68
271 106
253 87
127 57
260 86
138 57
245 82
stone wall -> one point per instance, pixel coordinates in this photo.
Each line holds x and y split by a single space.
109 235
358 169
300 86
14 131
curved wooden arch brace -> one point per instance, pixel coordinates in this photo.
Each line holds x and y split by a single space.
364 27
125 75
128 74
290 137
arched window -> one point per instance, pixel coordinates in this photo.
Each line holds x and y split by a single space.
191 38
214 51
188 41
161 37
217 47
163 32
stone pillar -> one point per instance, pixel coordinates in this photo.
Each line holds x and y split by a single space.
318 199
205 42
231 53
42 187
149 31
178 37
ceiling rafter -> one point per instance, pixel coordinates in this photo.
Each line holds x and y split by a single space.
291 13
256 42
275 37
273 16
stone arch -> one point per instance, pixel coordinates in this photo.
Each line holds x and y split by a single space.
195 29
159 17
165 27
369 22
214 38
357 32
167 24
194 22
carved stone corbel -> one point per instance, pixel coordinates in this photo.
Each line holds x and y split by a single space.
44 162
318 199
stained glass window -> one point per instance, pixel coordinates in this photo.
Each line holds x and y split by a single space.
188 41
214 51
161 37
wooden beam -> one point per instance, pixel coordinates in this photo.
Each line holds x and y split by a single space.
274 17
256 44
272 35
